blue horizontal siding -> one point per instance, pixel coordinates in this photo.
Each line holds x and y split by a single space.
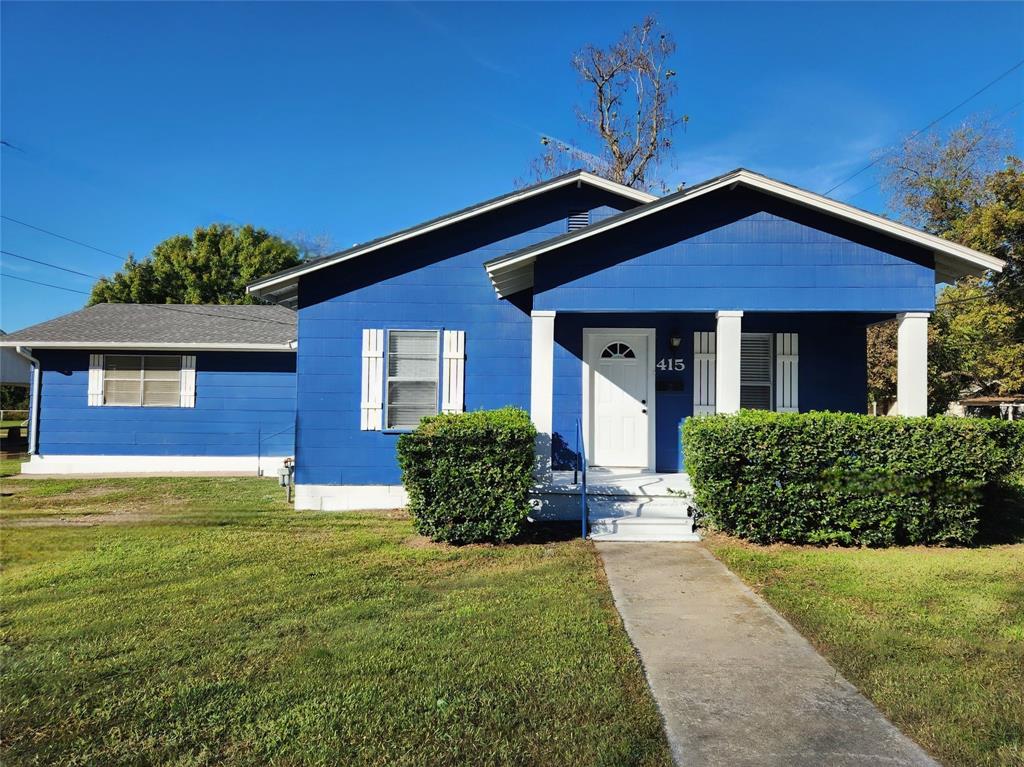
436 281
241 399
736 250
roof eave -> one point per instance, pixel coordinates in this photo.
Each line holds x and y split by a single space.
288 346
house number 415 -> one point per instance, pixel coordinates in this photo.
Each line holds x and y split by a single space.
671 363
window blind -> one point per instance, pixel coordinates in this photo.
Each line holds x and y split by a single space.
141 380
412 370
756 365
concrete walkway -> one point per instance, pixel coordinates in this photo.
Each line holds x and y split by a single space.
736 683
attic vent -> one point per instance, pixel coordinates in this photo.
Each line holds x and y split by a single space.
578 219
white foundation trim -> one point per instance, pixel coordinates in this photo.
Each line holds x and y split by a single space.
151 464
349 497
542 385
912 364
728 344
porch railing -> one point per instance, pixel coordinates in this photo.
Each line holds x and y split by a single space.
581 469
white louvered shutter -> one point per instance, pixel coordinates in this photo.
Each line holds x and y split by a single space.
787 373
703 373
371 405
188 381
95 379
454 384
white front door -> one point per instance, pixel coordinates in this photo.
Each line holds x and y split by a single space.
620 401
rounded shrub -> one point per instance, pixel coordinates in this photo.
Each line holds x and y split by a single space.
468 475
839 478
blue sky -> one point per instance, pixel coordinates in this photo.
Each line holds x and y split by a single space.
137 121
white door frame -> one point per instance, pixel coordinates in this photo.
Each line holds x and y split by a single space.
588 335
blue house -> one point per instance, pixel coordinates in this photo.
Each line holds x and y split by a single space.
161 388
608 314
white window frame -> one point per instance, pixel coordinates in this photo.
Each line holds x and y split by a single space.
388 378
141 380
770 384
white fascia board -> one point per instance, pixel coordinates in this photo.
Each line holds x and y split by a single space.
132 346
596 181
963 256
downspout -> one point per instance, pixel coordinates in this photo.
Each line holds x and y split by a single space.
33 419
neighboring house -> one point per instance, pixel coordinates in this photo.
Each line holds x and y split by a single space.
599 308
162 388
1009 407
15 370
590 303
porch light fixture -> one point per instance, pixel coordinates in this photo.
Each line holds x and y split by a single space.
674 341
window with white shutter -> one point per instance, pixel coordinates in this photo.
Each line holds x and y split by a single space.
135 380
412 377
756 365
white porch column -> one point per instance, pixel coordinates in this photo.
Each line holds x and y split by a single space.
912 364
727 361
542 369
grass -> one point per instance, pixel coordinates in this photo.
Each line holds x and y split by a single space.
201 621
935 637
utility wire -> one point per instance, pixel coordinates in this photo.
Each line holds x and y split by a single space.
44 284
938 119
47 263
997 118
62 237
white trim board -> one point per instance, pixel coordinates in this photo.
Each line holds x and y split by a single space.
513 272
159 465
225 347
652 399
580 177
349 497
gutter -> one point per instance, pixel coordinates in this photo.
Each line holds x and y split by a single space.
33 420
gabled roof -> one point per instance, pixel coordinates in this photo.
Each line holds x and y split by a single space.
514 272
281 287
164 326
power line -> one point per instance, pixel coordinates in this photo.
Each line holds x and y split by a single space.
997 119
62 237
44 284
47 263
938 119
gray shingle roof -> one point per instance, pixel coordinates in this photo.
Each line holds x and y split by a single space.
186 325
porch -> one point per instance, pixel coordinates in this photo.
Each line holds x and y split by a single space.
615 388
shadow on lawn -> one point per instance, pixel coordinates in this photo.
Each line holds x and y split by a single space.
548 532
1003 518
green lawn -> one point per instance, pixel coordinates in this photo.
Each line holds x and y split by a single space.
935 637
201 621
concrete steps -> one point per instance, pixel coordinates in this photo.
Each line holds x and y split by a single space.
639 518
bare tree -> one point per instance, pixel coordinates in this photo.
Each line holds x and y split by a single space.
933 180
630 110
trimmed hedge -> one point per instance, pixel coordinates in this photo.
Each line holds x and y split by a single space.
837 478
469 475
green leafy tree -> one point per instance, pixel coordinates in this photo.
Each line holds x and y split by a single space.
212 266
965 188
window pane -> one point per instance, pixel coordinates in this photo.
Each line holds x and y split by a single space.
163 368
412 377
756 359
166 393
121 392
409 401
122 367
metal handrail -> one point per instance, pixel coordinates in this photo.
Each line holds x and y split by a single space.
581 468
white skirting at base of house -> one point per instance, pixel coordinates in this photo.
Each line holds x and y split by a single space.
349 497
152 464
